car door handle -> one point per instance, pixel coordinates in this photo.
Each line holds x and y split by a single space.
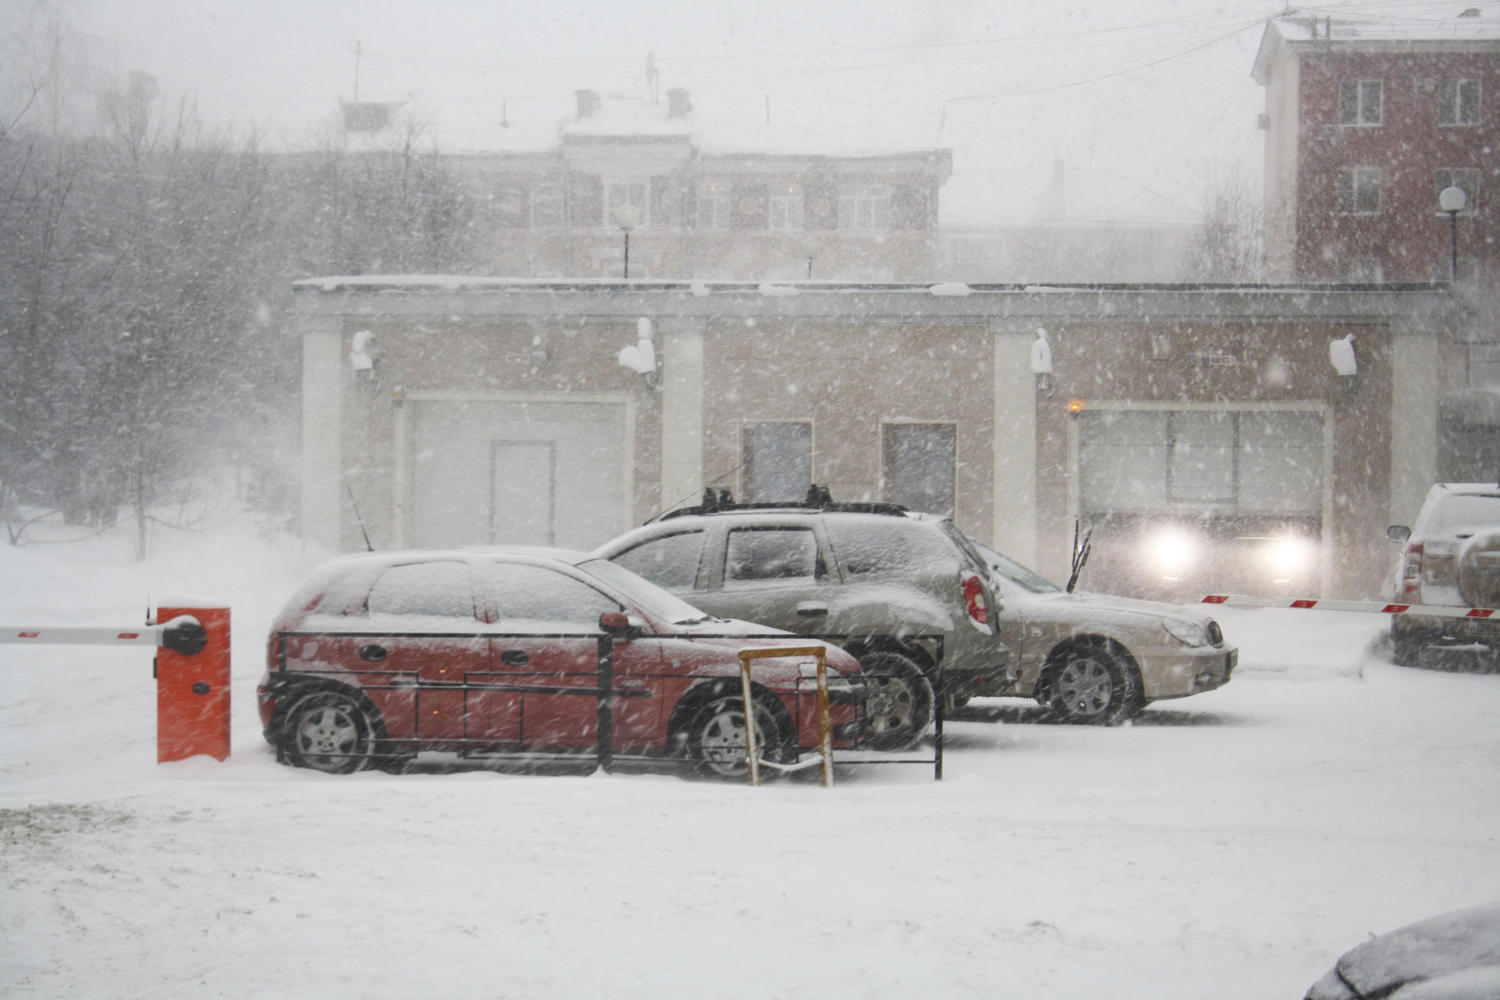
372 652
812 610
514 658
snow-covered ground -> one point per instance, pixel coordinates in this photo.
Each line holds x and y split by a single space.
1228 845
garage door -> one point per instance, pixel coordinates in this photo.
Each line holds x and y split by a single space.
501 472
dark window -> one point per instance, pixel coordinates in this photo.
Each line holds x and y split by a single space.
670 561
1360 102
428 588
778 461
757 555
1359 191
919 465
536 595
1458 102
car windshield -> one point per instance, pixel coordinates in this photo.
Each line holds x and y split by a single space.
1026 579
644 594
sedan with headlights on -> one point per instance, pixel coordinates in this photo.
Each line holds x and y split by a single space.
1099 659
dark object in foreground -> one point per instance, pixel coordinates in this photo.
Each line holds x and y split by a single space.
1455 956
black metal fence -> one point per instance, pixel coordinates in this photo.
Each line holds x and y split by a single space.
288 683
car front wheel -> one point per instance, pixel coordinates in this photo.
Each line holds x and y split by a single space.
329 732
1093 686
898 703
716 736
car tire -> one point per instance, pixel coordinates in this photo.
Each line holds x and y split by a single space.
330 732
716 735
1406 652
1092 685
898 702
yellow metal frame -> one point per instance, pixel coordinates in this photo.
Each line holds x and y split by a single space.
825 718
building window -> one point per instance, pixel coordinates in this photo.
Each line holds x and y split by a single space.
778 461
919 465
1360 102
1458 102
1201 461
713 207
1359 191
547 206
865 206
785 209
1466 179
619 193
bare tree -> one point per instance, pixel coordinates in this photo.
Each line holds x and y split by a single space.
1232 243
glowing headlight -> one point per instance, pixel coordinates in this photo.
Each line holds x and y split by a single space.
1289 555
1187 633
1172 550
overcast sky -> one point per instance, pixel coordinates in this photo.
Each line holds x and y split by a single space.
1157 92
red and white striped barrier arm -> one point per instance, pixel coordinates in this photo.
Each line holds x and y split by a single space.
1437 610
182 633
146 635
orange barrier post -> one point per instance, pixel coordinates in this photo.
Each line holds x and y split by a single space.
192 683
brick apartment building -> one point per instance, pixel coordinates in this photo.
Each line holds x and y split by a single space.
1366 123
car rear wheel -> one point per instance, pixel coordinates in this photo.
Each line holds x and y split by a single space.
329 732
1093 686
716 736
898 702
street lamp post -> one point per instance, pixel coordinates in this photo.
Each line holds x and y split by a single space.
626 216
1452 200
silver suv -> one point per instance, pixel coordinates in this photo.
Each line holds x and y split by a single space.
906 593
1450 556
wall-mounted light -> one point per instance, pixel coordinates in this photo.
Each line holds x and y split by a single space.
1041 362
640 357
1341 356
362 353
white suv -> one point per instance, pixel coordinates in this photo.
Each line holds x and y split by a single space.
1451 556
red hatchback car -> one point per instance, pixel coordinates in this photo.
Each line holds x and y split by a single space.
499 654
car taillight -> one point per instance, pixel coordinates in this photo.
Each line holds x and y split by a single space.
975 601
1411 568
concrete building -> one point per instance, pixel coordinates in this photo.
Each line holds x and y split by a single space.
564 412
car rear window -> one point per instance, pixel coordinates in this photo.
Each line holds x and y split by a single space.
867 546
1463 510
756 555
439 589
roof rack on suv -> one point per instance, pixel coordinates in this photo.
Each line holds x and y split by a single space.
817 499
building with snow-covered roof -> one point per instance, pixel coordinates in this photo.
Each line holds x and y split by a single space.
690 209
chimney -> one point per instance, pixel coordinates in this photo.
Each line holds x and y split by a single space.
588 102
679 104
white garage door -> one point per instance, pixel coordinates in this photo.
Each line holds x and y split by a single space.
503 472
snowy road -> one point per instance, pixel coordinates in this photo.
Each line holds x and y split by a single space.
1228 845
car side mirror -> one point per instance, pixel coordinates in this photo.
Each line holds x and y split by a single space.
1398 532
618 623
